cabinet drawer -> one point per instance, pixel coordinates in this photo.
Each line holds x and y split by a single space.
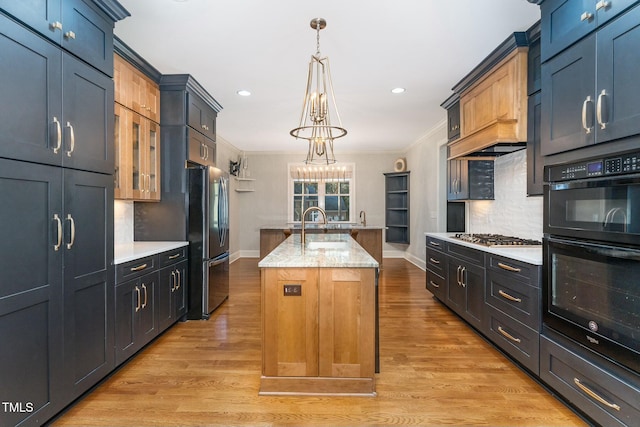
172 257
514 297
136 268
468 254
519 341
436 261
436 285
436 244
589 387
528 273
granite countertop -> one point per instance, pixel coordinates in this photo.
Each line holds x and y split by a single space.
346 252
528 254
124 252
330 226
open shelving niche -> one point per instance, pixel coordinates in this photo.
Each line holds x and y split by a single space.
397 207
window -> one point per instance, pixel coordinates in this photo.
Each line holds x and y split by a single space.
329 188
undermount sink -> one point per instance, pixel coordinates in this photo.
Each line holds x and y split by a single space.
328 245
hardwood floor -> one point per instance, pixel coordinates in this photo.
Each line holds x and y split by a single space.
434 371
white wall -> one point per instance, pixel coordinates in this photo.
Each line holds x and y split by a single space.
267 205
512 212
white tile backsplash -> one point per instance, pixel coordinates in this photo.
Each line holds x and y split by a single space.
512 212
122 222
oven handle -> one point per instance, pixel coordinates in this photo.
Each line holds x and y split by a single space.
602 250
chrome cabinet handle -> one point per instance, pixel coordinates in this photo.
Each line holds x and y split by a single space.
508 335
509 297
70 35
603 124
434 261
508 267
56 25
137 299
139 267
144 288
56 218
58 135
73 231
584 115
72 139
602 4
586 16
594 395
173 281
435 285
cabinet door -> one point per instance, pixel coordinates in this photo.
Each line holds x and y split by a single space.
152 159
180 293
202 117
456 294
88 34
166 289
127 307
473 279
201 150
88 279
31 293
290 325
346 319
40 15
137 143
618 88
568 102
88 118
147 322
122 136
31 113
453 120
535 163
458 182
563 23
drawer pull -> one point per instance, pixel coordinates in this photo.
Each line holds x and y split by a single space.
594 395
434 261
508 335
435 285
509 297
508 267
175 256
139 268
432 243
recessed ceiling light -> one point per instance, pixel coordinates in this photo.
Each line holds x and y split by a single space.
243 92
398 90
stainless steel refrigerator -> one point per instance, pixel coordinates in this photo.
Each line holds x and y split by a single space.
208 234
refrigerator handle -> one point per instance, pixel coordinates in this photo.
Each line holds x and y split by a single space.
219 261
223 211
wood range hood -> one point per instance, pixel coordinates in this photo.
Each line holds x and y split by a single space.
493 103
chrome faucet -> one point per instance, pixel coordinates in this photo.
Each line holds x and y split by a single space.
363 218
312 208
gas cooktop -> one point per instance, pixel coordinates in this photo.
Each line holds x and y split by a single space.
496 240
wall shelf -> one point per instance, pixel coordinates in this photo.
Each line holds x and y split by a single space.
245 185
397 207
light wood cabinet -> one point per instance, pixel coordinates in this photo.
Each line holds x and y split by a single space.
371 241
137 155
134 90
494 109
318 330
137 134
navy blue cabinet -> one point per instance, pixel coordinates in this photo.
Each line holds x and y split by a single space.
589 93
564 22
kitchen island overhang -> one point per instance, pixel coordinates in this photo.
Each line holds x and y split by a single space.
319 317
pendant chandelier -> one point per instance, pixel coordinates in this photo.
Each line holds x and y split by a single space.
315 120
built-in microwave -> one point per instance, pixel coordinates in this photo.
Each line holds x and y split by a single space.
591 250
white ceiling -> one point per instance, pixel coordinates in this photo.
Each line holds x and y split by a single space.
425 46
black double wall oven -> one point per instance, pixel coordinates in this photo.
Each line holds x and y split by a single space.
591 249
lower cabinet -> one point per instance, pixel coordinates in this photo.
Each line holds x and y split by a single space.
600 389
465 287
136 319
150 297
318 330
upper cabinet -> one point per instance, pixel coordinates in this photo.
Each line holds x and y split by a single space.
565 22
491 114
137 128
80 27
589 94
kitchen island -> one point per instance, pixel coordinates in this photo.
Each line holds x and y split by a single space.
319 320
